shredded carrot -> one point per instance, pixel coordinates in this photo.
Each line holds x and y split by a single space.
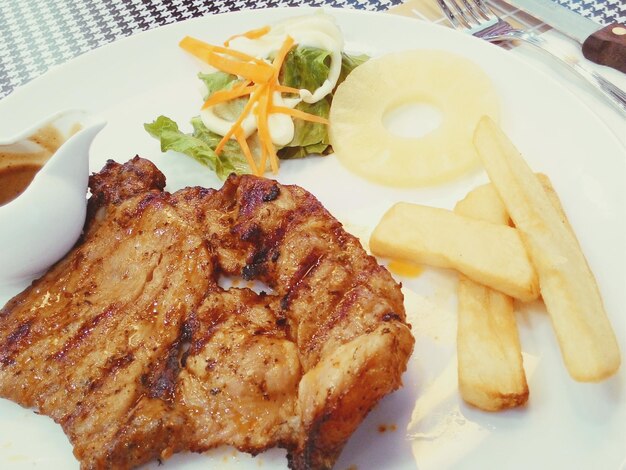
244 113
286 89
298 114
264 133
277 64
226 95
252 34
193 46
253 72
281 54
257 72
243 143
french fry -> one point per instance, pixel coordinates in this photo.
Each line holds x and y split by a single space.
568 287
483 203
546 184
487 253
490 367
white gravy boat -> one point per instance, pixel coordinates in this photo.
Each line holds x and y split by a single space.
42 224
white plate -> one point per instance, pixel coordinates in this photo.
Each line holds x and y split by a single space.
565 425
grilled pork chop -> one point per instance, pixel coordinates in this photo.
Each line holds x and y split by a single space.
132 346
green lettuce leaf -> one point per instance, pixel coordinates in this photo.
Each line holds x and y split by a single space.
216 81
309 137
171 138
349 63
232 151
308 67
305 67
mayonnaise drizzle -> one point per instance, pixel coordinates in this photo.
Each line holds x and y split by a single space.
318 30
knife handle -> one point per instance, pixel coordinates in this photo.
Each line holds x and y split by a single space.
607 46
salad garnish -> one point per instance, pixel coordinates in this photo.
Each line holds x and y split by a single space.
267 97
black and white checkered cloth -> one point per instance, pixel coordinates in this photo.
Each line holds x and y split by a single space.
603 12
37 34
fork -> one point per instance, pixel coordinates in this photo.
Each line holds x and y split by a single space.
477 19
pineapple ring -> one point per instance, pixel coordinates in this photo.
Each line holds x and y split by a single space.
455 86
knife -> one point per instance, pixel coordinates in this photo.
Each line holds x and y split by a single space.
604 45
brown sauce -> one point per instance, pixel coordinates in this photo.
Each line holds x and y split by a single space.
17 169
14 180
49 138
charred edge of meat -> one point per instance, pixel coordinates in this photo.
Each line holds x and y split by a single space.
272 194
117 182
254 192
136 442
310 457
192 200
229 190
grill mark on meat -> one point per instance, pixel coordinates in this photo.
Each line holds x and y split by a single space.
83 333
341 237
308 266
252 233
267 245
13 343
112 366
196 344
161 382
162 386
19 334
46 315
187 330
340 312
151 199
270 244
77 260
25 315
